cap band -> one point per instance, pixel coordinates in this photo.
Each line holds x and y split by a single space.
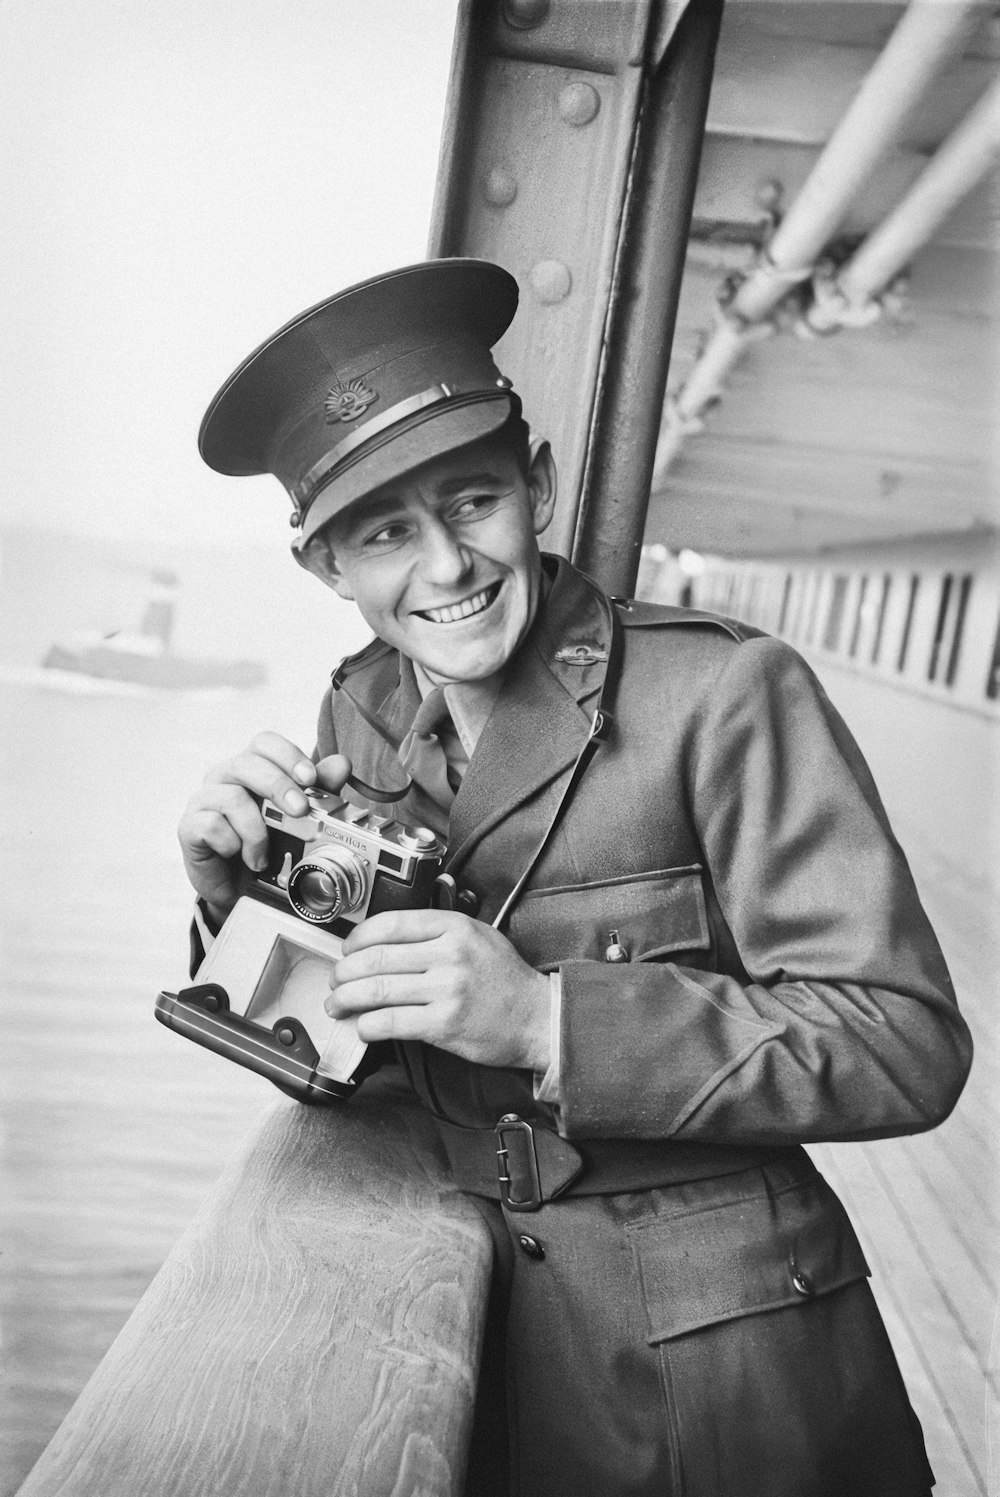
322 471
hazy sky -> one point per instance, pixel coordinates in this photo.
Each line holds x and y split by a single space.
179 177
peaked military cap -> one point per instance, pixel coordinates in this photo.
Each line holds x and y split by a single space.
367 385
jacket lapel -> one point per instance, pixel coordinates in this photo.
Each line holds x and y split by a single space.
541 719
534 733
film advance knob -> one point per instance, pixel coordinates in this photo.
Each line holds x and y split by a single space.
418 838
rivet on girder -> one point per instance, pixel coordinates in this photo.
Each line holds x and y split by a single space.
578 103
499 187
551 280
524 14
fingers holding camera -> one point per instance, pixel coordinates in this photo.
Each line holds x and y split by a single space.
209 844
332 772
221 825
274 767
222 821
368 979
450 981
270 766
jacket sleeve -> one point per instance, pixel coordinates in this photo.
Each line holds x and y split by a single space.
843 1024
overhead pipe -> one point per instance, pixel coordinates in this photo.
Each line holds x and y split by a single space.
930 33
849 299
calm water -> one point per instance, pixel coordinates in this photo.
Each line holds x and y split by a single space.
113 1128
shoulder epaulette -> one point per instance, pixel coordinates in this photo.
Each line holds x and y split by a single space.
374 651
639 615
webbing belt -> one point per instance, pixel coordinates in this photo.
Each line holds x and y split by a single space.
523 1164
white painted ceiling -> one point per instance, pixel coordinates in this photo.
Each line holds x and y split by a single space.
867 434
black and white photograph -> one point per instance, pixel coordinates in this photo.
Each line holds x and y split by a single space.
500 651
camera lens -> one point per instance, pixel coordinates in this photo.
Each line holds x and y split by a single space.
329 881
318 892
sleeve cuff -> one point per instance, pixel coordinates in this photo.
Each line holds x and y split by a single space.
546 1088
203 933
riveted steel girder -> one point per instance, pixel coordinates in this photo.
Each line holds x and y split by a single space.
571 145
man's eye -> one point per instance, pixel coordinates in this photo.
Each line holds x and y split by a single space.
471 506
386 535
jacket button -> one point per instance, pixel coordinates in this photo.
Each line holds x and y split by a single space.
468 902
802 1283
615 951
531 1247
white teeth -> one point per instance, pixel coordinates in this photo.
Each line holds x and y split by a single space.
458 611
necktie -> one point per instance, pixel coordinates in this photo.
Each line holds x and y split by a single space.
422 755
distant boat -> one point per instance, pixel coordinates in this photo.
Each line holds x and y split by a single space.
144 658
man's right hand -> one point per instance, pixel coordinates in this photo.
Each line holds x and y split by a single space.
223 824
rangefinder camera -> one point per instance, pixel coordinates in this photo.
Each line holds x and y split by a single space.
340 862
258 996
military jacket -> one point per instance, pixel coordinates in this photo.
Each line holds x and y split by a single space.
783 984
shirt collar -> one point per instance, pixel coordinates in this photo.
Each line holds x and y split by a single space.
469 702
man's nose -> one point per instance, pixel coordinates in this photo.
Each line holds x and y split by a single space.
444 558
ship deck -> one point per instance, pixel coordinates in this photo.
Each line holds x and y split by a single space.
927 1210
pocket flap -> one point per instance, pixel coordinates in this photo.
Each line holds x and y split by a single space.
654 913
744 1257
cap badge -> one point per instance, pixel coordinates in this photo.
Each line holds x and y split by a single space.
348 402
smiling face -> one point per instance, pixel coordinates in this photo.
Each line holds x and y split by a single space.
443 563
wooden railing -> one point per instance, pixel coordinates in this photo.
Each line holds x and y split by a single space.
315 1332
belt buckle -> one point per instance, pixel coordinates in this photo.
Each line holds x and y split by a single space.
526 1158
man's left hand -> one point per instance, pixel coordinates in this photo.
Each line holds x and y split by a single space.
444 978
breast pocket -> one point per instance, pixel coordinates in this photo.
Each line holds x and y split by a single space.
656 914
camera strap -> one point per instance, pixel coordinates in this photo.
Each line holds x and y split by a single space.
600 731
372 792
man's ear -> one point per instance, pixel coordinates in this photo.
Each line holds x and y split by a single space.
319 558
541 483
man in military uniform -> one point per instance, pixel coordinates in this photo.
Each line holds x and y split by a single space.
685 941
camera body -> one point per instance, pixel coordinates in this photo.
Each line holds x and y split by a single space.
258 996
342 863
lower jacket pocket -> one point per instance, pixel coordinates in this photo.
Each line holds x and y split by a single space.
776 1373
742 1256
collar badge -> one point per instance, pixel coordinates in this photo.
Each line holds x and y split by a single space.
581 654
348 402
